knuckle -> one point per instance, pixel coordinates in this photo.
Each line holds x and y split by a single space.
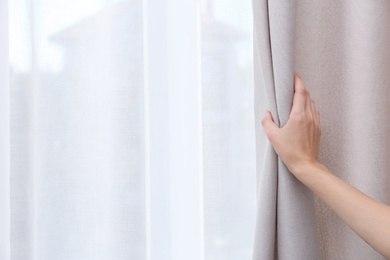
302 90
319 130
298 117
311 122
271 135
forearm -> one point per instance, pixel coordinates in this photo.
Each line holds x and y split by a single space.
369 218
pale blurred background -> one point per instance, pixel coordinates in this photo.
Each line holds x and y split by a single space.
79 167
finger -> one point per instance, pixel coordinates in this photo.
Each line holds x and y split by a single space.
318 117
311 107
315 113
300 94
268 124
308 98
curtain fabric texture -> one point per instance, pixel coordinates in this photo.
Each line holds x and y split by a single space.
341 51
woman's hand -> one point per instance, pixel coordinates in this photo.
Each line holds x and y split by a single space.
297 144
298 141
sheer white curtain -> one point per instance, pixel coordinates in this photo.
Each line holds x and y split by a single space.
127 129
4 136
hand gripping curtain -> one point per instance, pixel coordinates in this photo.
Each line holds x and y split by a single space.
341 51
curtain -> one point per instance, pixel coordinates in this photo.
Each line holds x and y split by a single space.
341 51
127 130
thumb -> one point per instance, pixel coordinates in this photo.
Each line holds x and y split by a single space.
269 124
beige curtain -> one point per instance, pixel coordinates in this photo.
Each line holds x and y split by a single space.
341 51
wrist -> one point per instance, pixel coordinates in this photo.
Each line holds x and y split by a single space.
316 177
306 167
312 174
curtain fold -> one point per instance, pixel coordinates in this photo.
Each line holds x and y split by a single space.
340 49
292 205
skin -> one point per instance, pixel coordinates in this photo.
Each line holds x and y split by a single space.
297 143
